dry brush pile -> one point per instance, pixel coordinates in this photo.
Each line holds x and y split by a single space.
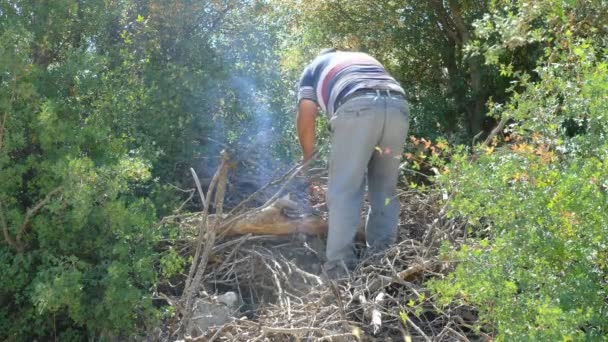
282 293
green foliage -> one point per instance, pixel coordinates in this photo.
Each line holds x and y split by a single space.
421 43
103 103
172 263
536 265
537 269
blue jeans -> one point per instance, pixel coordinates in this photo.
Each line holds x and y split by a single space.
368 133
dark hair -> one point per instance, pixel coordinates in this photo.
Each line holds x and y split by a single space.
327 50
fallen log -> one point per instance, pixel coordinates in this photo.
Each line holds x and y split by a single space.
273 220
277 225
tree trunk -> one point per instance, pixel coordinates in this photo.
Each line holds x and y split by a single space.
457 35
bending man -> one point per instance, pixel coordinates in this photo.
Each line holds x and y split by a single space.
369 119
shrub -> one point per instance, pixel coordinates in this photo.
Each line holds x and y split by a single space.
536 265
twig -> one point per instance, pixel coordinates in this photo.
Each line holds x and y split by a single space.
406 275
217 333
219 201
334 288
2 125
219 205
404 168
376 313
476 137
201 257
198 187
263 188
30 213
303 166
203 221
336 337
409 321
496 130
461 336
292 331
269 202
7 236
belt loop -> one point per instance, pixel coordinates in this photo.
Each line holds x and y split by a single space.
377 94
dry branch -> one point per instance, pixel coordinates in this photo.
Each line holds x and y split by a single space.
376 313
17 243
291 300
2 128
31 212
206 238
495 131
271 220
406 275
5 232
289 176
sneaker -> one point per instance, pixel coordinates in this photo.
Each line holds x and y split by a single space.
337 270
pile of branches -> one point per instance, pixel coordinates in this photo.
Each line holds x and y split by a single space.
284 293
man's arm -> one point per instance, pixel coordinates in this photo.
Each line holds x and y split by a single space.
305 126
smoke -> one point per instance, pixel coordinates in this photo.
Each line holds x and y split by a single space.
250 102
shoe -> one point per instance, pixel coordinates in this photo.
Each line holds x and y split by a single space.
336 270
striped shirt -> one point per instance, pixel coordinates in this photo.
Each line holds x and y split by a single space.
334 75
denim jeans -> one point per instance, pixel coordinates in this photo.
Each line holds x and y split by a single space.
368 133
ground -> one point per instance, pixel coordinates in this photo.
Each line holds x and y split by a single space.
284 296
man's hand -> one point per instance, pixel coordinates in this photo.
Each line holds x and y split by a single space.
314 187
305 125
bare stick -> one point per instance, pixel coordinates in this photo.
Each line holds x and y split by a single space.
31 212
461 336
7 236
211 234
299 169
376 313
198 186
203 222
256 193
496 130
476 137
179 209
199 263
217 333
292 331
2 125
409 321
269 202
405 275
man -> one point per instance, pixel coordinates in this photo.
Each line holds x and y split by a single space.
369 119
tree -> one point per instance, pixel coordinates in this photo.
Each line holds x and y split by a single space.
536 265
422 43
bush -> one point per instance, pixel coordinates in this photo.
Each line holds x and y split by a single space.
536 267
77 255
102 105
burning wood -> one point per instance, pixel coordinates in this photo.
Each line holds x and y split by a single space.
274 220
282 217
269 219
